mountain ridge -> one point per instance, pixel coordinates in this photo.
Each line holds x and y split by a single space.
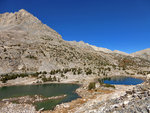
26 44
142 54
23 20
24 13
15 20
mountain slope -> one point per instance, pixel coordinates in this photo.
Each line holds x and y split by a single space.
27 45
120 52
142 54
23 20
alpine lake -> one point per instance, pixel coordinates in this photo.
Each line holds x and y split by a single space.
45 90
53 89
121 80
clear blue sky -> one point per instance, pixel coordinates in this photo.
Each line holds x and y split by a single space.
114 24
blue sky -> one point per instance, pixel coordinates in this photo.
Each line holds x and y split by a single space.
114 24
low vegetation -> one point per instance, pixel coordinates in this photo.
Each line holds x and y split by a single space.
143 72
101 81
61 73
108 85
91 86
5 77
51 79
31 57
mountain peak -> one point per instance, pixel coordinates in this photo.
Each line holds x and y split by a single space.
23 11
22 16
23 20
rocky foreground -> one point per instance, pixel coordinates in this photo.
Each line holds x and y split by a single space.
16 108
135 100
23 104
122 99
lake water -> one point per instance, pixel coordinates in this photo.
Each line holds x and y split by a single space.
122 80
46 90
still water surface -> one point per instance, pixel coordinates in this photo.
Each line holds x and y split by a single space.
46 90
122 80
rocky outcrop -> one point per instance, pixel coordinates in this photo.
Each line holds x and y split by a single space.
133 101
24 21
136 100
16 108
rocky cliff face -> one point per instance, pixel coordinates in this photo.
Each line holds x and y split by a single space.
26 44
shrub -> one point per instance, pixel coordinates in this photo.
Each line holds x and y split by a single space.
44 72
74 73
35 74
88 71
44 79
62 75
53 72
4 80
49 79
91 85
79 71
31 57
11 76
58 80
54 78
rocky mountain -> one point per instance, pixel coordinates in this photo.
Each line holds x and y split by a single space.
101 49
120 52
24 21
98 49
142 54
26 44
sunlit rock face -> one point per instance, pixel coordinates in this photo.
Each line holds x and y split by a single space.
26 44
142 54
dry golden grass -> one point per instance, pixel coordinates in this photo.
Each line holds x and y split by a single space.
105 91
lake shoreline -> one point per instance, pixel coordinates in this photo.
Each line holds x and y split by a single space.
31 80
27 100
32 83
81 91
